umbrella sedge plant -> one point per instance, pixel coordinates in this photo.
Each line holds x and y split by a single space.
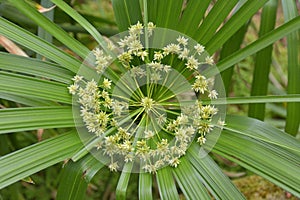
149 101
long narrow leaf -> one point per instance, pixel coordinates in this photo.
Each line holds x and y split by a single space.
34 67
28 101
166 184
189 181
261 131
51 27
212 177
42 33
192 15
293 115
127 12
145 186
263 61
123 181
168 13
276 163
216 16
27 161
256 99
75 178
18 84
235 22
232 45
23 119
81 20
36 44
259 44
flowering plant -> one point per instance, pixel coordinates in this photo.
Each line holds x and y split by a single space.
140 115
149 100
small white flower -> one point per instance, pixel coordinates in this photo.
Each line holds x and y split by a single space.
113 166
136 29
221 122
192 63
182 119
99 145
150 168
106 83
123 43
155 77
91 86
129 157
138 72
158 55
213 94
161 119
104 94
135 46
117 109
125 57
156 66
190 130
172 48
199 48
159 163
77 78
142 54
73 88
201 140
184 54
200 84
98 52
182 40
209 60
167 68
174 162
111 46
149 134
181 135
151 27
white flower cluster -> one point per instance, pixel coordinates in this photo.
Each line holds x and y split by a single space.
166 136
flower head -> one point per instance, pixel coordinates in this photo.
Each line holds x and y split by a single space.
133 110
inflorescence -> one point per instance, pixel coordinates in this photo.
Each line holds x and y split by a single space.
145 123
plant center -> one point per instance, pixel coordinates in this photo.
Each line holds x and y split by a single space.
148 104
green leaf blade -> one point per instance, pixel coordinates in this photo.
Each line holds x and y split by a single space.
51 27
24 119
36 44
263 61
35 67
213 178
277 163
262 132
123 181
127 12
27 161
24 85
234 23
192 15
290 11
166 184
189 181
76 176
259 44
213 20
145 186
